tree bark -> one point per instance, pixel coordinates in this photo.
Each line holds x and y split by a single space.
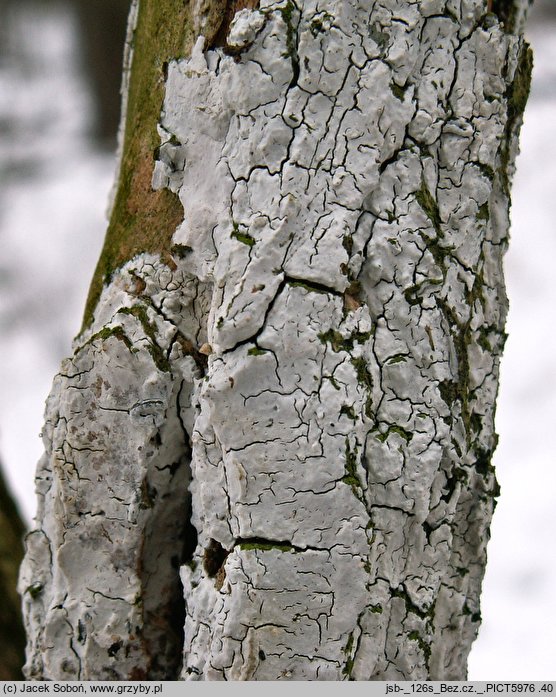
280 409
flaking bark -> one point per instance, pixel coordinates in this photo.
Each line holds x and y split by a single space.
282 403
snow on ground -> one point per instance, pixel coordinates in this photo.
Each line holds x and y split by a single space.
53 193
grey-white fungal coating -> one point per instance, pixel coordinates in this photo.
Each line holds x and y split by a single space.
344 170
100 579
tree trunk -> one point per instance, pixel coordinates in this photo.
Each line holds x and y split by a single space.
280 407
12 634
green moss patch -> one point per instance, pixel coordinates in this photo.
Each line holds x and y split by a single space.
243 237
428 203
157 354
144 220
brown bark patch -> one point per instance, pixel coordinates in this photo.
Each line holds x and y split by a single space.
232 7
144 220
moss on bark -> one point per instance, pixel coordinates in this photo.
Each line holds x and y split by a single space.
144 220
517 96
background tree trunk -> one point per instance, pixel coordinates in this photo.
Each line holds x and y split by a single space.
281 404
12 634
102 29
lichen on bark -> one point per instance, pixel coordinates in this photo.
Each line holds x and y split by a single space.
311 346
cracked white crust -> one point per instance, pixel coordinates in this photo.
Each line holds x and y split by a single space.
100 580
341 172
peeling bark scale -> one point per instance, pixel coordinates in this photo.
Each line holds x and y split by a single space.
269 456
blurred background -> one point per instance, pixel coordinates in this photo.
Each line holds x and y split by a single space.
60 68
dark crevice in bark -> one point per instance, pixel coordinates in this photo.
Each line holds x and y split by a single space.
214 557
309 286
190 536
201 360
189 542
263 544
163 602
169 541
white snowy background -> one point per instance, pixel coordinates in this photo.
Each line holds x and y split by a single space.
54 189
